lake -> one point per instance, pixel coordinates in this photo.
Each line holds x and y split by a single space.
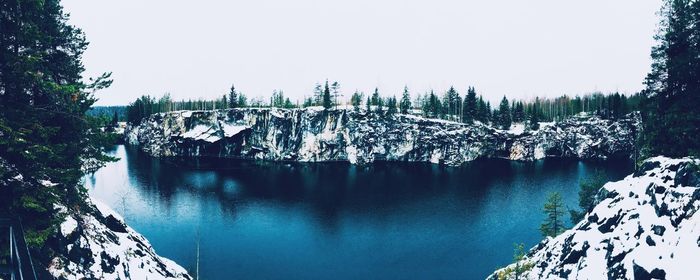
387 220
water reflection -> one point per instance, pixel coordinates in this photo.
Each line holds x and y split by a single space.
385 220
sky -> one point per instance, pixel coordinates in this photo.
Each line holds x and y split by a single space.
522 49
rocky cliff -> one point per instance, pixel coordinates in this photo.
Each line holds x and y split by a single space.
360 137
95 243
643 227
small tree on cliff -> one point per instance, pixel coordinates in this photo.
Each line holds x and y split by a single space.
233 98
554 210
405 104
327 103
504 118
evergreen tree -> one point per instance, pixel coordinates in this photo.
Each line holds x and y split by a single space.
586 196
377 100
553 223
44 129
672 115
391 104
242 100
369 104
233 98
482 113
356 100
318 94
327 103
469 111
115 120
535 117
335 93
405 101
504 117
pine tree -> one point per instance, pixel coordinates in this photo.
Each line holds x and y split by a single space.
391 104
504 117
535 116
405 101
46 133
335 93
553 224
356 100
469 112
586 196
318 94
369 104
233 98
377 100
327 103
672 110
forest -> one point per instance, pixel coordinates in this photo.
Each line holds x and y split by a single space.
449 105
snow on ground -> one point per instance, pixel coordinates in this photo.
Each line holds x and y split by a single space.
102 246
643 227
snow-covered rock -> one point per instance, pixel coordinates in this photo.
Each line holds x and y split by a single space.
642 227
99 245
93 242
361 137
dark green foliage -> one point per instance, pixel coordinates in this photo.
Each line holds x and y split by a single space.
470 109
483 112
109 111
44 129
586 196
518 112
672 105
335 93
451 104
534 122
146 105
391 104
553 223
233 98
432 106
327 103
279 101
356 100
377 100
369 104
504 117
405 104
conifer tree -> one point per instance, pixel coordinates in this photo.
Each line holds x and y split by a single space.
405 101
233 98
553 224
327 103
504 117
44 129
356 100
672 111
469 113
391 104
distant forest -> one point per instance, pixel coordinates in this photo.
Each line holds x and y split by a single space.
449 105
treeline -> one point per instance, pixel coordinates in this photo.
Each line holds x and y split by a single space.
449 105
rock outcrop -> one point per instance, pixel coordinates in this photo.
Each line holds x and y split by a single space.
94 242
642 227
360 137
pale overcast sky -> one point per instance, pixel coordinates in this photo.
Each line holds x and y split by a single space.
518 48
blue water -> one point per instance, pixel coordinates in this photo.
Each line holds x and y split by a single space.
338 221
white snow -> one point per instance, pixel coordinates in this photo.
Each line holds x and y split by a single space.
68 226
134 254
202 132
637 206
232 130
